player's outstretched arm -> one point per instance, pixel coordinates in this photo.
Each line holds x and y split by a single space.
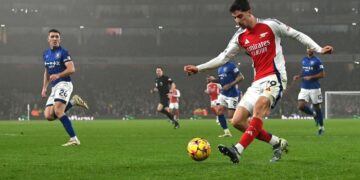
230 51
284 30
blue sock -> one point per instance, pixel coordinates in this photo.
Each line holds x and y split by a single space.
307 110
67 125
319 117
222 121
68 106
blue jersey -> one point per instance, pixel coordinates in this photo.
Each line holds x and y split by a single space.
54 62
311 66
227 73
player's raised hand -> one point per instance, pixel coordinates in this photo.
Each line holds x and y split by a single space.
327 50
191 69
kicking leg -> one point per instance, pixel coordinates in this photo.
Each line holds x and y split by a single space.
252 130
240 122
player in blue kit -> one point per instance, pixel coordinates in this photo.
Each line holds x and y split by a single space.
229 77
58 68
312 71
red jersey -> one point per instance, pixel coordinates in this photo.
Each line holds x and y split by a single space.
175 94
263 44
213 89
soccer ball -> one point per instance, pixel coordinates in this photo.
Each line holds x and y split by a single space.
199 149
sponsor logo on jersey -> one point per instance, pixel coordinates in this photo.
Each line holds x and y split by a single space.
222 76
308 68
258 48
52 64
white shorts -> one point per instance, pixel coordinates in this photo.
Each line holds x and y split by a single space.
60 92
311 94
174 105
213 103
271 87
229 102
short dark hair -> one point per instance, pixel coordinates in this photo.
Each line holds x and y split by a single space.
54 31
159 67
240 5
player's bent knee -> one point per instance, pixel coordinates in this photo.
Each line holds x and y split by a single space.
59 113
220 110
301 105
49 117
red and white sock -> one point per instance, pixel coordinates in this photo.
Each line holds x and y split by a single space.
264 136
267 137
253 130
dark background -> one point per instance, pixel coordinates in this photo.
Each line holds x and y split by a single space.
117 44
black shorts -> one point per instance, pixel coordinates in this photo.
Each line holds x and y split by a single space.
164 101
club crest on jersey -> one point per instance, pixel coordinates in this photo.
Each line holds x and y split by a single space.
262 35
247 41
57 55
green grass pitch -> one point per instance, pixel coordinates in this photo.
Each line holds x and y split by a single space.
152 149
